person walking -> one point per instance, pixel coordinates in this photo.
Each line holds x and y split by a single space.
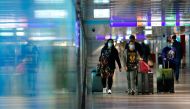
131 58
177 58
109 55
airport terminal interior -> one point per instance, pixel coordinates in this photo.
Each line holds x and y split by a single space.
50 53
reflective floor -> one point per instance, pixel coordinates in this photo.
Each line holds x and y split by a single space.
117 100
61 101
120 100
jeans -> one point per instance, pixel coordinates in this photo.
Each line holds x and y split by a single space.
132 80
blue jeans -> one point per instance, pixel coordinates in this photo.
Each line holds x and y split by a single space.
131 80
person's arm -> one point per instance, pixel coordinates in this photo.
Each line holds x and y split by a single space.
139 57
125 57
164 57
117 58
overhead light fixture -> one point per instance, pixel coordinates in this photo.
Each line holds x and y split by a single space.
49 1
12 25
6 34
101 13
63 44
50 14
42 38
20 33
172 23
101 1
107 37
19 29
147 32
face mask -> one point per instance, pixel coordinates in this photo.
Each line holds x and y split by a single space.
131 47
110 45
170 45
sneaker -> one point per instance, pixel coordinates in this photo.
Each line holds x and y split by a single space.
104 90
128 92
133 92
109 91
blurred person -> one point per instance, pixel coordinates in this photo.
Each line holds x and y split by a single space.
30 58
168 54
178 56
131 57
109 55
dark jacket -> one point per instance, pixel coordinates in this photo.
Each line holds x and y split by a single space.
178 48
113 56
138 47
145 52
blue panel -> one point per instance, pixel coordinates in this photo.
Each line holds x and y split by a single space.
94 22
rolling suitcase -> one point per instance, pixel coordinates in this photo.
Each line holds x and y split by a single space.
165 79
96 81
150 82
145 83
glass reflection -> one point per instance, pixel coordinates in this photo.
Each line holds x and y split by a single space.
38 67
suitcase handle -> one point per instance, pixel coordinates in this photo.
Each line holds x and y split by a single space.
165 63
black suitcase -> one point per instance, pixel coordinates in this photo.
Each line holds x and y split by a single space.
165 80
151 82
145 83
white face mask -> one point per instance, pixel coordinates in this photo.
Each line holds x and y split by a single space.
110 45
170 45
131 47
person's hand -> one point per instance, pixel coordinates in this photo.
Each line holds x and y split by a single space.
126 68
140 59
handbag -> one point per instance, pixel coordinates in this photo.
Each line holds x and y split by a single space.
20 68
143 67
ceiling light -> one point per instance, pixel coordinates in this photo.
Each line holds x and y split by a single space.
101 13
101 1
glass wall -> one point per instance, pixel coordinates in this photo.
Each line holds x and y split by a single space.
39 54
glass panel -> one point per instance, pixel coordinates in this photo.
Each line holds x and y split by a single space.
39 54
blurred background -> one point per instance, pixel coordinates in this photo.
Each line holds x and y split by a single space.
39 54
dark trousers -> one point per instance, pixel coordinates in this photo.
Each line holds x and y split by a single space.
176 69
107 78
